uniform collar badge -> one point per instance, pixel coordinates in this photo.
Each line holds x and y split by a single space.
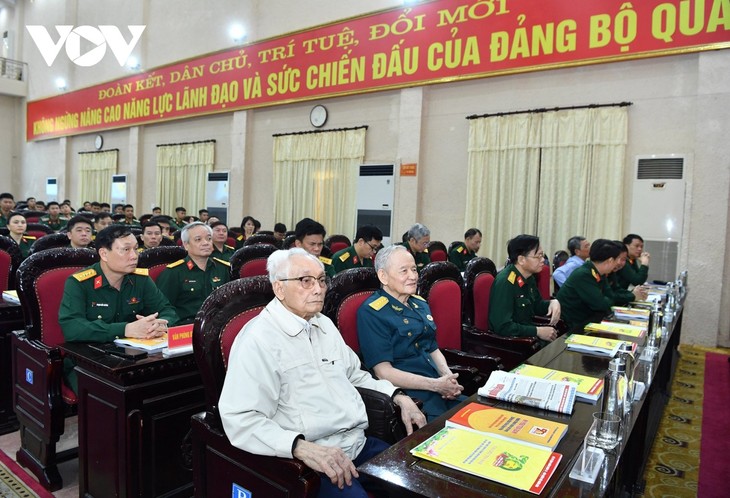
190 264
354 260
520 282
429 317
396 308
98 282
596 275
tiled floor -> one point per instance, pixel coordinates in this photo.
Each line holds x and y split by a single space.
69 470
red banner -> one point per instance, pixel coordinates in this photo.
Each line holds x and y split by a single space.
435 42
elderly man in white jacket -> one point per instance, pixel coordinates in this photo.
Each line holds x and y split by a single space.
290 385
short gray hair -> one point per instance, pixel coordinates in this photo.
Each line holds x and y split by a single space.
382 259
418 231
574 244
185 235
278 263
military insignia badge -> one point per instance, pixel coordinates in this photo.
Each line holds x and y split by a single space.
596 275
354 260
520 282
216 279
511 278
429 317
97 282
133 300
190 264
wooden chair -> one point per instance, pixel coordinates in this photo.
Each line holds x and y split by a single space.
156 259
337 243
479 277
543 281
441 284
437 251
217 464
41 399
10 260
250 261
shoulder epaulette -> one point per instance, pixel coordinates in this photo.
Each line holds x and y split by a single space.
29 237
85 274
324 260
418 297
512 277
223 261
228 247
425 250
240 237
176 263
344 256
379 303
145 272
460 249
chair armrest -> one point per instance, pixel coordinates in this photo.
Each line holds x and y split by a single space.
483 363
384 419
517 344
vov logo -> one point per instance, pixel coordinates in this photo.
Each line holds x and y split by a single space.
99 38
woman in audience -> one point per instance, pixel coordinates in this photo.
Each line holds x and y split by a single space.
17 226
248 228
397 336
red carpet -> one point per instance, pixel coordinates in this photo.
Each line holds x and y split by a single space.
15 481
714 461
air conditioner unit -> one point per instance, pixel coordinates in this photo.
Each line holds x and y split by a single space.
657 211
119 189
375 195
51 189
216 195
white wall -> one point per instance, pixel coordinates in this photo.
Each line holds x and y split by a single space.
681 104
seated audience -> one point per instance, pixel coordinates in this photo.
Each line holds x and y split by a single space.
515 299
579 248
361 253
79 230
397 336
29 203
280 231
165 225
151 235
188 281
290 386
636 269
417 239
585 296
102 220
309 235
203 215
465 251
53 219
179 221
112 298
66 210
620 295
7 204
95 208
248 228
17 226
129 218
221 250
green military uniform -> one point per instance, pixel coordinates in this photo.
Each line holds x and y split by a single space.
329 270
133 223
461 255
239 241
93 310
225 254
25 244
421 258
3 220
347 258
54 225
513 302
187 286
620 295
632 274
584 297
405 337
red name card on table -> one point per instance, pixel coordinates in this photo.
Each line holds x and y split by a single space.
180 336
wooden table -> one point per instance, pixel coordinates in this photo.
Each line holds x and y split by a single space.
406 475
134 420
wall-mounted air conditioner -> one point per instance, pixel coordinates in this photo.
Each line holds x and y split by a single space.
375 195
657 211
216 195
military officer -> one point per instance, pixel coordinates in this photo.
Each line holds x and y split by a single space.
515 299
53 219
636 271
360 254
620 295
7 203
221 250
79 231
151 235
16 231
585 296
464 252
188 281
129 218
397 336
112 298
417 239
309 235
101 221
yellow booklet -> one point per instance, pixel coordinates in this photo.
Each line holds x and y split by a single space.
486 420
617 328
511 463
587 388
593 345
151 345
626 313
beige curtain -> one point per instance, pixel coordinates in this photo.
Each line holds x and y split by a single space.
181 175
315 176
581 175
503 174
95 175
553 174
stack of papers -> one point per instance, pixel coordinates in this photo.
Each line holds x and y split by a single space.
594 345
587 388
626 313
521 389
149 345
626 329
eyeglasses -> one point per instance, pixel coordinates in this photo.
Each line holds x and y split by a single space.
375 248
537 256
307 281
